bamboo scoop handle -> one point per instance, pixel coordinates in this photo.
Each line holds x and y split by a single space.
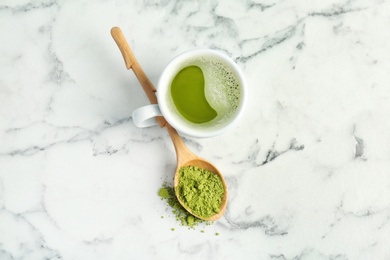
182 152
132 63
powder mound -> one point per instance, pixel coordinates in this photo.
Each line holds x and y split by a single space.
200 190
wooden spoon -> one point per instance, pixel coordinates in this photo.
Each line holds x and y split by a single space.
184 156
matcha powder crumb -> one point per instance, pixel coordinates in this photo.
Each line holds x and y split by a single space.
200 190
163 193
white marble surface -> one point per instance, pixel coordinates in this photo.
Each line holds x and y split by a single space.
308 168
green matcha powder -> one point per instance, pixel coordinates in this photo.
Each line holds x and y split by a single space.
183 216
200 190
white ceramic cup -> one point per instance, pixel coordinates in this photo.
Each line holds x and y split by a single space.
211 62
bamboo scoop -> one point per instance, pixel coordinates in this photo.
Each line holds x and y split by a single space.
184 156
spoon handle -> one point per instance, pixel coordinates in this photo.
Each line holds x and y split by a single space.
132 63
183 154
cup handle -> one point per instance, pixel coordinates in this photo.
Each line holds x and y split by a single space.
146 116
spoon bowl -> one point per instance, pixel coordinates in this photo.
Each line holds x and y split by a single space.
183 155
186 158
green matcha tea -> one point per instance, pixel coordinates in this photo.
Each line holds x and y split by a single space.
205 92
187 90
